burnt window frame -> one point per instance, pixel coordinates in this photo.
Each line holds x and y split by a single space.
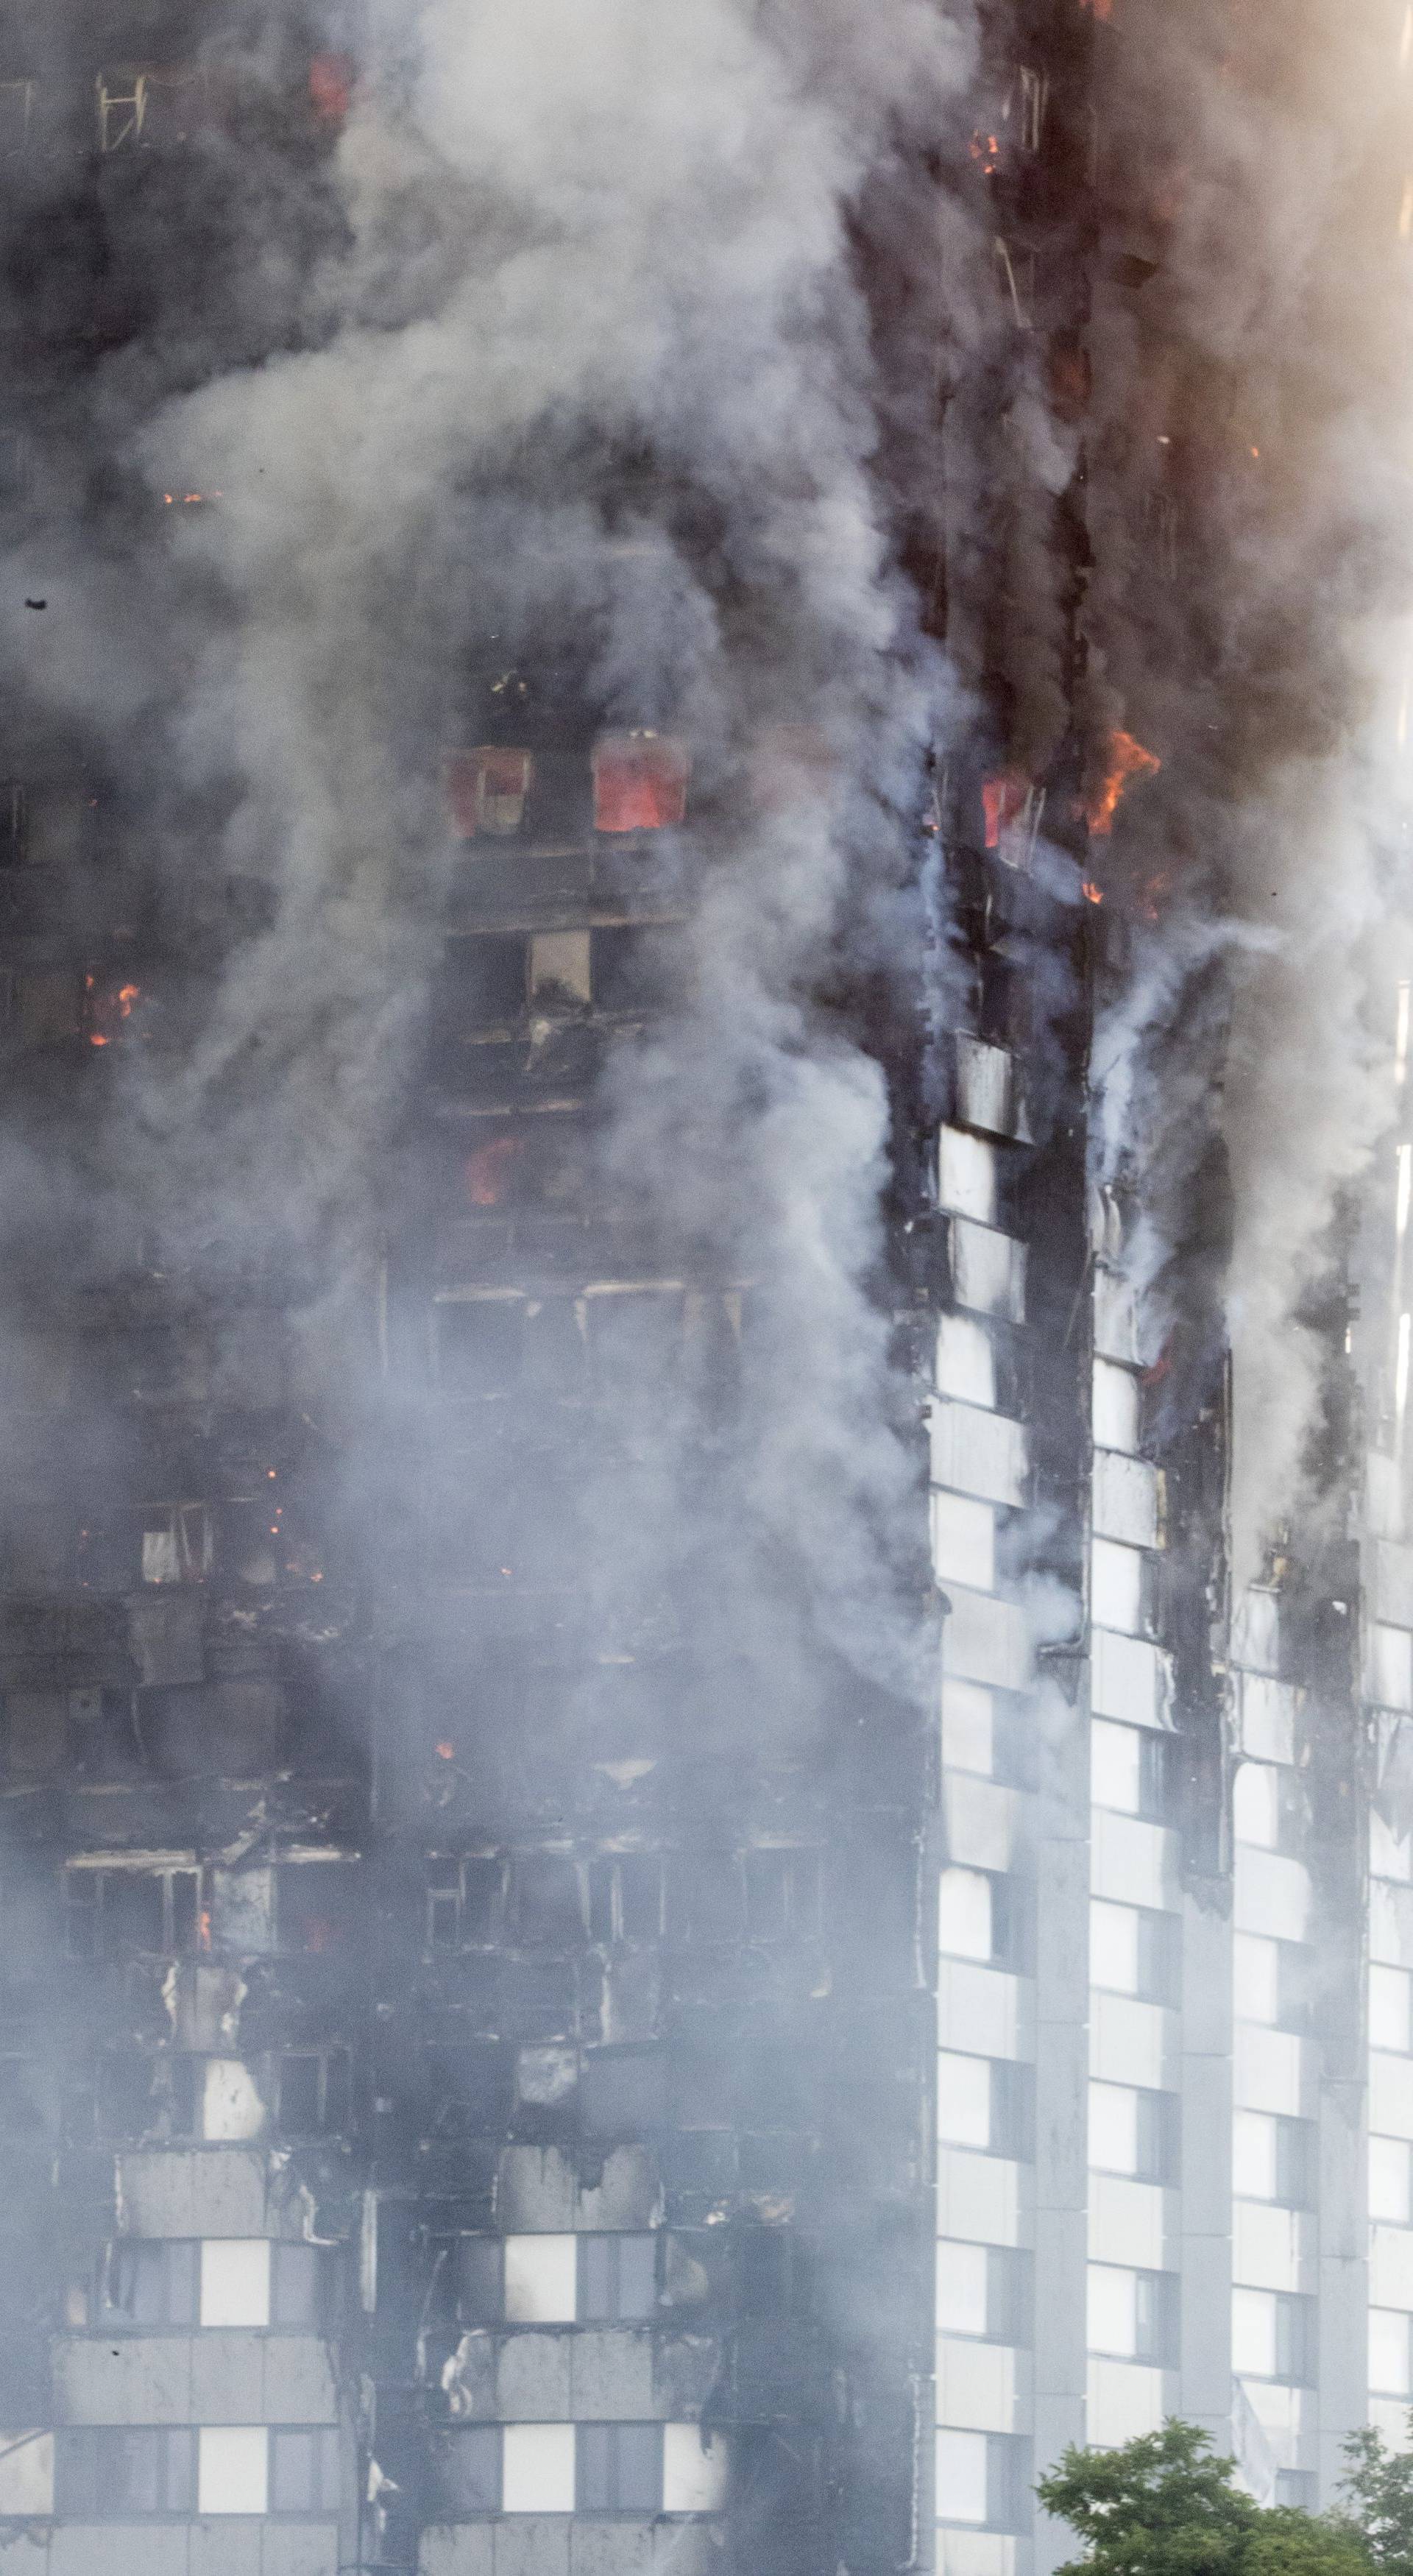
103 1950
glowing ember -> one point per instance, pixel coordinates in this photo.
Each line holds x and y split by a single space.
986 150
1126 760
108 1007
446 1752
1090 891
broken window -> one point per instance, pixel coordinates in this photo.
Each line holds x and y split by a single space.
782 1894
139 2096
105 2471
622 2090
312 2091
304 2468
317 1905
625 1898
640 782
618 2468
547 1905
1034 92
60 819
479 1344
617 2279
121 1913
772 2272
486 790
150 2283
560 963
177 1543
482 984
704 1892
1015 276
464 1899
629 968
465 2464
165 104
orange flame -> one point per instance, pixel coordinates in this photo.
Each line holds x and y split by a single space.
1126 761
1090 891
1103 9
985 149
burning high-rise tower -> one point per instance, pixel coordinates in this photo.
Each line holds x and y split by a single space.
703 1348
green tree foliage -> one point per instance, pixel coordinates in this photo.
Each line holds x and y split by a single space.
1380 2486
1167 2505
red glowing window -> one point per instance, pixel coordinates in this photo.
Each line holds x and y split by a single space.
331 87
486 789
1002 803
491 1170
640 782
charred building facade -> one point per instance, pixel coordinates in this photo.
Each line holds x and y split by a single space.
705 1628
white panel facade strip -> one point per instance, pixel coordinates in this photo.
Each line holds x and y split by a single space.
985 1640
1116 1586
1126 2398
963 1541
966 1175
1115 1318
976 2553
988 1089
1267 1717
1272 2248
985 2009
981 1819
1133 1863
1131 2222
980 2198
1133 2043
1129 1678
1388 1666
1271 2071
1271 1894
1388 1578
1390 2095
988 1270
1114 1407
976 1452
966 1360
1255 1633
1127 1499
1391 2266
980 2385
1391 1922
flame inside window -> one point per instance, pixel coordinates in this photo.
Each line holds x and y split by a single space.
1125 759
640 782
107 1006
1002 802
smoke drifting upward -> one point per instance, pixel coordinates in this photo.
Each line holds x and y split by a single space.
1249 518
612 344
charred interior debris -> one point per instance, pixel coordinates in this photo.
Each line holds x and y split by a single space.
704 994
